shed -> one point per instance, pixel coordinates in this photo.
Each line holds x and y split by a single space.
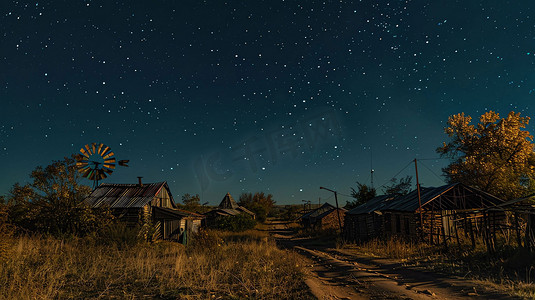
323 217
136 204
228 208
444 210
308 219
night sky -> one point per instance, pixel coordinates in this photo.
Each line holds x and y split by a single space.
243 96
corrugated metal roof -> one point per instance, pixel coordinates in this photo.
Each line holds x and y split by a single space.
325 213
374 204
409 203
318 211
174 213
225 212
126 195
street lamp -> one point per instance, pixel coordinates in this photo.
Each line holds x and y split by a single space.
337 209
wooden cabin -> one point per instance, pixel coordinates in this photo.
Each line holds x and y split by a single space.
447 213
136 204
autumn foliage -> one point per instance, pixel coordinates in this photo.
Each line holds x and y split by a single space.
53 203
495 155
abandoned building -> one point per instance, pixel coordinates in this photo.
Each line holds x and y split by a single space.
435 215
228 208
136 204
324 217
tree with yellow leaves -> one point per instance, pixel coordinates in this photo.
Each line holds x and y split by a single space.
495 155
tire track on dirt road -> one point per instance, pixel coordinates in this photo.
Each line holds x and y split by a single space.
336 274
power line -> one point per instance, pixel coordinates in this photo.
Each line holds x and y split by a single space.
405 167
433 172
438 158
345 195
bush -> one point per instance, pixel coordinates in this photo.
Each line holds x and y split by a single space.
53 203
236 223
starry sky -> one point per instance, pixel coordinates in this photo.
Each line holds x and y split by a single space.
243 96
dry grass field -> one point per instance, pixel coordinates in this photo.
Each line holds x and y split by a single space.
216 265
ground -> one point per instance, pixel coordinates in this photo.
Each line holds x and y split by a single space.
335 273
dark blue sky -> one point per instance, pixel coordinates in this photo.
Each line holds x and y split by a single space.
246 96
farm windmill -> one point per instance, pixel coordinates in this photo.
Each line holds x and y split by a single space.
96 162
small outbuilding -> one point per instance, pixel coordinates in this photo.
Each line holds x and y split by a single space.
324 217
228 208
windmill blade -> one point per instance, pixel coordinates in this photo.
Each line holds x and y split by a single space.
104 151
78 157
101 175
84 168
108 171
100 148
109 166
108 155
81 164
84 153
92 175
88 150
87 172
110 160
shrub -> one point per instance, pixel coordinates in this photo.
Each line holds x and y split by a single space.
236 223
53 203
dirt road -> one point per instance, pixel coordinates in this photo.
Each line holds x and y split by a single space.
337 274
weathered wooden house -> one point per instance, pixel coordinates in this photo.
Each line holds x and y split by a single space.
228 208
323 217
136 204
445 213
366 221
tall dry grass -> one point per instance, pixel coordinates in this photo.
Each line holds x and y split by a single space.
5 232
396 248
217 265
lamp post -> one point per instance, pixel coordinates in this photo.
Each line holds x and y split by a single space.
337 209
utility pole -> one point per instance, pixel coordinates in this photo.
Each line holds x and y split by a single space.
419 198
371 166
337 209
